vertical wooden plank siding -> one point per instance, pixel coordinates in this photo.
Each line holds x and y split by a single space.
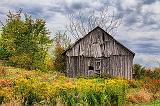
116 60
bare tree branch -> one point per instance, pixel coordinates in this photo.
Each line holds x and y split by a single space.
80 23
1 23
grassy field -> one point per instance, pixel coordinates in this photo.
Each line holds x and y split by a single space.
20 86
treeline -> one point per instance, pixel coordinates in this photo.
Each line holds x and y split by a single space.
142 73
25 43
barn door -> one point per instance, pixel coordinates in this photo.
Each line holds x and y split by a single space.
97 65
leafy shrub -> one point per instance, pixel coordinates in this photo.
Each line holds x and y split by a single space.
6 91
22 60
4 54
139 71
49 63
135 83
155 74
59 60
33 90
61 43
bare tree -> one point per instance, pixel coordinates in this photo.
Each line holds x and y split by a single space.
80 23
83 22
62 40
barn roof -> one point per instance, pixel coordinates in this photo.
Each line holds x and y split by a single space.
104 32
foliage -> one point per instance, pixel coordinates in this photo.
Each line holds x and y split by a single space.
135 83
19 86
6 91
4 54
59 60
27 40
139 71
155 74
153 85
61 42
32 87
32 90
92 92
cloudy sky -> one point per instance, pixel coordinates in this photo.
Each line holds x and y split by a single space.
139 31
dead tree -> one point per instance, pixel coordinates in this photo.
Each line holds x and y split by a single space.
80 23
61 40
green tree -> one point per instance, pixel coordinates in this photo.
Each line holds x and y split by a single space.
139 71
61 43
4 53
27 40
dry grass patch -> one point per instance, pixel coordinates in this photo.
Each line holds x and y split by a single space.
139 96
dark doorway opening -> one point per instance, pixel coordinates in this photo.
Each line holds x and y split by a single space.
91 68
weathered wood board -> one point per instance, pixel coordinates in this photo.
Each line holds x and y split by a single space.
100 52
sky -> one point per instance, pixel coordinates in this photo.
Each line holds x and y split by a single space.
139 30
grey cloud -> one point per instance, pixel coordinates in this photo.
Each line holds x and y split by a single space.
146 45
79 5
130 19
148 48
148 39
34 10
149 1
149 19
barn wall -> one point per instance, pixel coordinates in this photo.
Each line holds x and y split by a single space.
121 66
116 61
78 65
106 43
115 65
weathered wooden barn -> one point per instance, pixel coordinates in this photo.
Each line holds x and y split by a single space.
98 53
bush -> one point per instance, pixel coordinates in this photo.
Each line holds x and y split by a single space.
155 74
139 71
4 54
139 96
6 91
153 86
22 60
59 60
135 83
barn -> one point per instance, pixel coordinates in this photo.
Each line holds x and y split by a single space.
98 53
